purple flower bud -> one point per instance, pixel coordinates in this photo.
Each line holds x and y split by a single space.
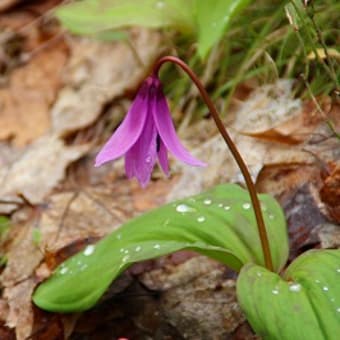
145 136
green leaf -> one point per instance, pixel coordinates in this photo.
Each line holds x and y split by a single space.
219 223
93 16
304 304
213 18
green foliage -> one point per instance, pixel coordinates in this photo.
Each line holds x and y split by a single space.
261 44
213 17
219 223
93 16
207 20
304 304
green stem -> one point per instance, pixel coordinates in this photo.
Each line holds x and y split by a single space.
232 147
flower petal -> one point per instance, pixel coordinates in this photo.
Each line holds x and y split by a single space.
129 131
141 158
163 157
167 132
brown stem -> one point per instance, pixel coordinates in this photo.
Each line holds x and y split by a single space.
232 147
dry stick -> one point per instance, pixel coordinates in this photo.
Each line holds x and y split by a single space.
232 147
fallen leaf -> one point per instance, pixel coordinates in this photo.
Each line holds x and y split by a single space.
281 179
25 102
97 73
330 191
6 4
20 308
256 153
303 210
203 305
172 275
267 107
329 235
45 160
23 256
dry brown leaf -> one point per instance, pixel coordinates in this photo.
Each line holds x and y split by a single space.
267 107
330 192
256 153
79 215
64 221
282 178
38 171
172 275
329 235
25 103
202 303
98 73
6 4
20 308
23 256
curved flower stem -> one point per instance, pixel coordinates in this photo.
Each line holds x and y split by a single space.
233 149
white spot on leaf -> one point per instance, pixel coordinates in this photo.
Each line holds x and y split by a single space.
296 287
200 219
160 4
63 270
246 206
89 250
183 208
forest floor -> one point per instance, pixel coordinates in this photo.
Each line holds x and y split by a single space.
60 98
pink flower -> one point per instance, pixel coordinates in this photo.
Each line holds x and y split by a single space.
145 136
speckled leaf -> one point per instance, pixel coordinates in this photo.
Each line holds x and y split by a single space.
93 16
304 304
213 18
219 223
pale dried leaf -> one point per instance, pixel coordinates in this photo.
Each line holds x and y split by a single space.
25 103
6 4
267 107
256 153
22 257
20 308
99 72
173 275
77 215
38 171
329 235
203 305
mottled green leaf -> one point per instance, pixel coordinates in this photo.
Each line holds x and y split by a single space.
219 223
93 16
304 304
213 18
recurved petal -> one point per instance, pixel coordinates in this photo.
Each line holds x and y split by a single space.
141 158
129 131
167 132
